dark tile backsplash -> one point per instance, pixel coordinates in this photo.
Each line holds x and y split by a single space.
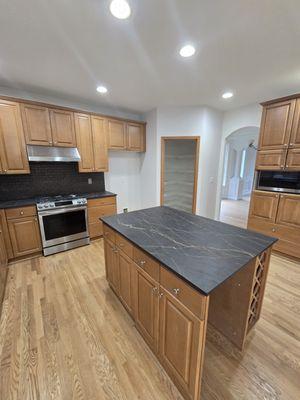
47 179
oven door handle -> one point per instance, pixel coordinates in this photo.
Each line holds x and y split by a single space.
61 211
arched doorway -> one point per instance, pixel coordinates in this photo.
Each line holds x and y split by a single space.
238 175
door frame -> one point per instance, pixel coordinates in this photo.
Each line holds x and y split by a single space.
196 166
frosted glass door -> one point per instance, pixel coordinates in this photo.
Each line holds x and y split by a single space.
178 176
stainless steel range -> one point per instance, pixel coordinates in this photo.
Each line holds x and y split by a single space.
63 223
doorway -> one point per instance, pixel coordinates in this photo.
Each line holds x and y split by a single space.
238 176
179 172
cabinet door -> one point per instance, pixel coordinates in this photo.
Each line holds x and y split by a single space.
25 236
146 306
272 160
13 153
293 160
276 125
126 267
36 123
135 137
289 210
181 341
62 126
264 205
112 266
295 134
116 134
84 140
99 130
3 265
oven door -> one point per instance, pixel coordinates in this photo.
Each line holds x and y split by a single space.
63 225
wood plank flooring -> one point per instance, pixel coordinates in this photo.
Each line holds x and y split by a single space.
64 335
235 212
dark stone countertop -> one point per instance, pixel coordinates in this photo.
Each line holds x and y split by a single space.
33 200
203 252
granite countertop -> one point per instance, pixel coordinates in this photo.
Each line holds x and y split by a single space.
202 251
33 200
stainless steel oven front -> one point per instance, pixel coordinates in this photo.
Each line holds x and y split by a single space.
63 228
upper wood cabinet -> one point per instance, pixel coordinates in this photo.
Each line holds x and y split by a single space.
295 135
126 136
91 142
13 155
36 123
135 137
264 205
293 160
62 125
116 134
276 125
272 160
99 127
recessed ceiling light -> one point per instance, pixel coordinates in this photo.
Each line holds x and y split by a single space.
120 9
227 95
101 89
187 51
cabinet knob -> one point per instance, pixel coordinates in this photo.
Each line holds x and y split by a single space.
273 230
154 290
21 212
5 170
285 145
142 263
291 144
176 291
161 295
121 244
282 166
287 166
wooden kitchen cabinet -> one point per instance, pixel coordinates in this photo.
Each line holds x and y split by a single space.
25 236
36 123
98 208
99 127
276 125
135 137
293 160
295 135
112 266
264 205
3 265
289 211
271 160
181 343
126 270
62 126
116 134
84 138
146 302
13 154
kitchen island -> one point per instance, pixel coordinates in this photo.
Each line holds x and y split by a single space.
174 272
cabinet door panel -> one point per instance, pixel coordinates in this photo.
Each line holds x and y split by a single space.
125 265
135 137
295 135
62 126
13 153
289 210
116 135
25 236
180 342
146 306
3 266
84 140
272 160
293 160
276 125
100 143
264 205
36 122
112 266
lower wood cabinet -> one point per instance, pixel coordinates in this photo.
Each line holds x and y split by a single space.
25 236
3 265
264 205
98 208
169 314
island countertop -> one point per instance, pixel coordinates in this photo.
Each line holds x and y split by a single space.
202 251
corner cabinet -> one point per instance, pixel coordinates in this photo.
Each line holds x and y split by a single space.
124 135
169 314
13 154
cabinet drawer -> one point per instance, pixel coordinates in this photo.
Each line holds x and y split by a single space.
193 300
20 212
146 263
94 213
270 160
109 233
124 245
101 202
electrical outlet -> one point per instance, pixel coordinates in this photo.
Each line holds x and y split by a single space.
125 210
90 181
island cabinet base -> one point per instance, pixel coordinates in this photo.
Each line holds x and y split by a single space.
169 314
172 316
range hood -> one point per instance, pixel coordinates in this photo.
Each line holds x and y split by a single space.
57 154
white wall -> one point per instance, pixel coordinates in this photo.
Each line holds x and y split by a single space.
233 120
184 121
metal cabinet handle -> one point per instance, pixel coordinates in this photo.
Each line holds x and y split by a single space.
121 244
176 291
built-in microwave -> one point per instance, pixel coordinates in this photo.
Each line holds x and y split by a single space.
278 181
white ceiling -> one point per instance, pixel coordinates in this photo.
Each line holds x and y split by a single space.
65 48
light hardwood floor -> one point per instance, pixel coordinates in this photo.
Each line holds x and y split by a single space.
64 335
235 212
